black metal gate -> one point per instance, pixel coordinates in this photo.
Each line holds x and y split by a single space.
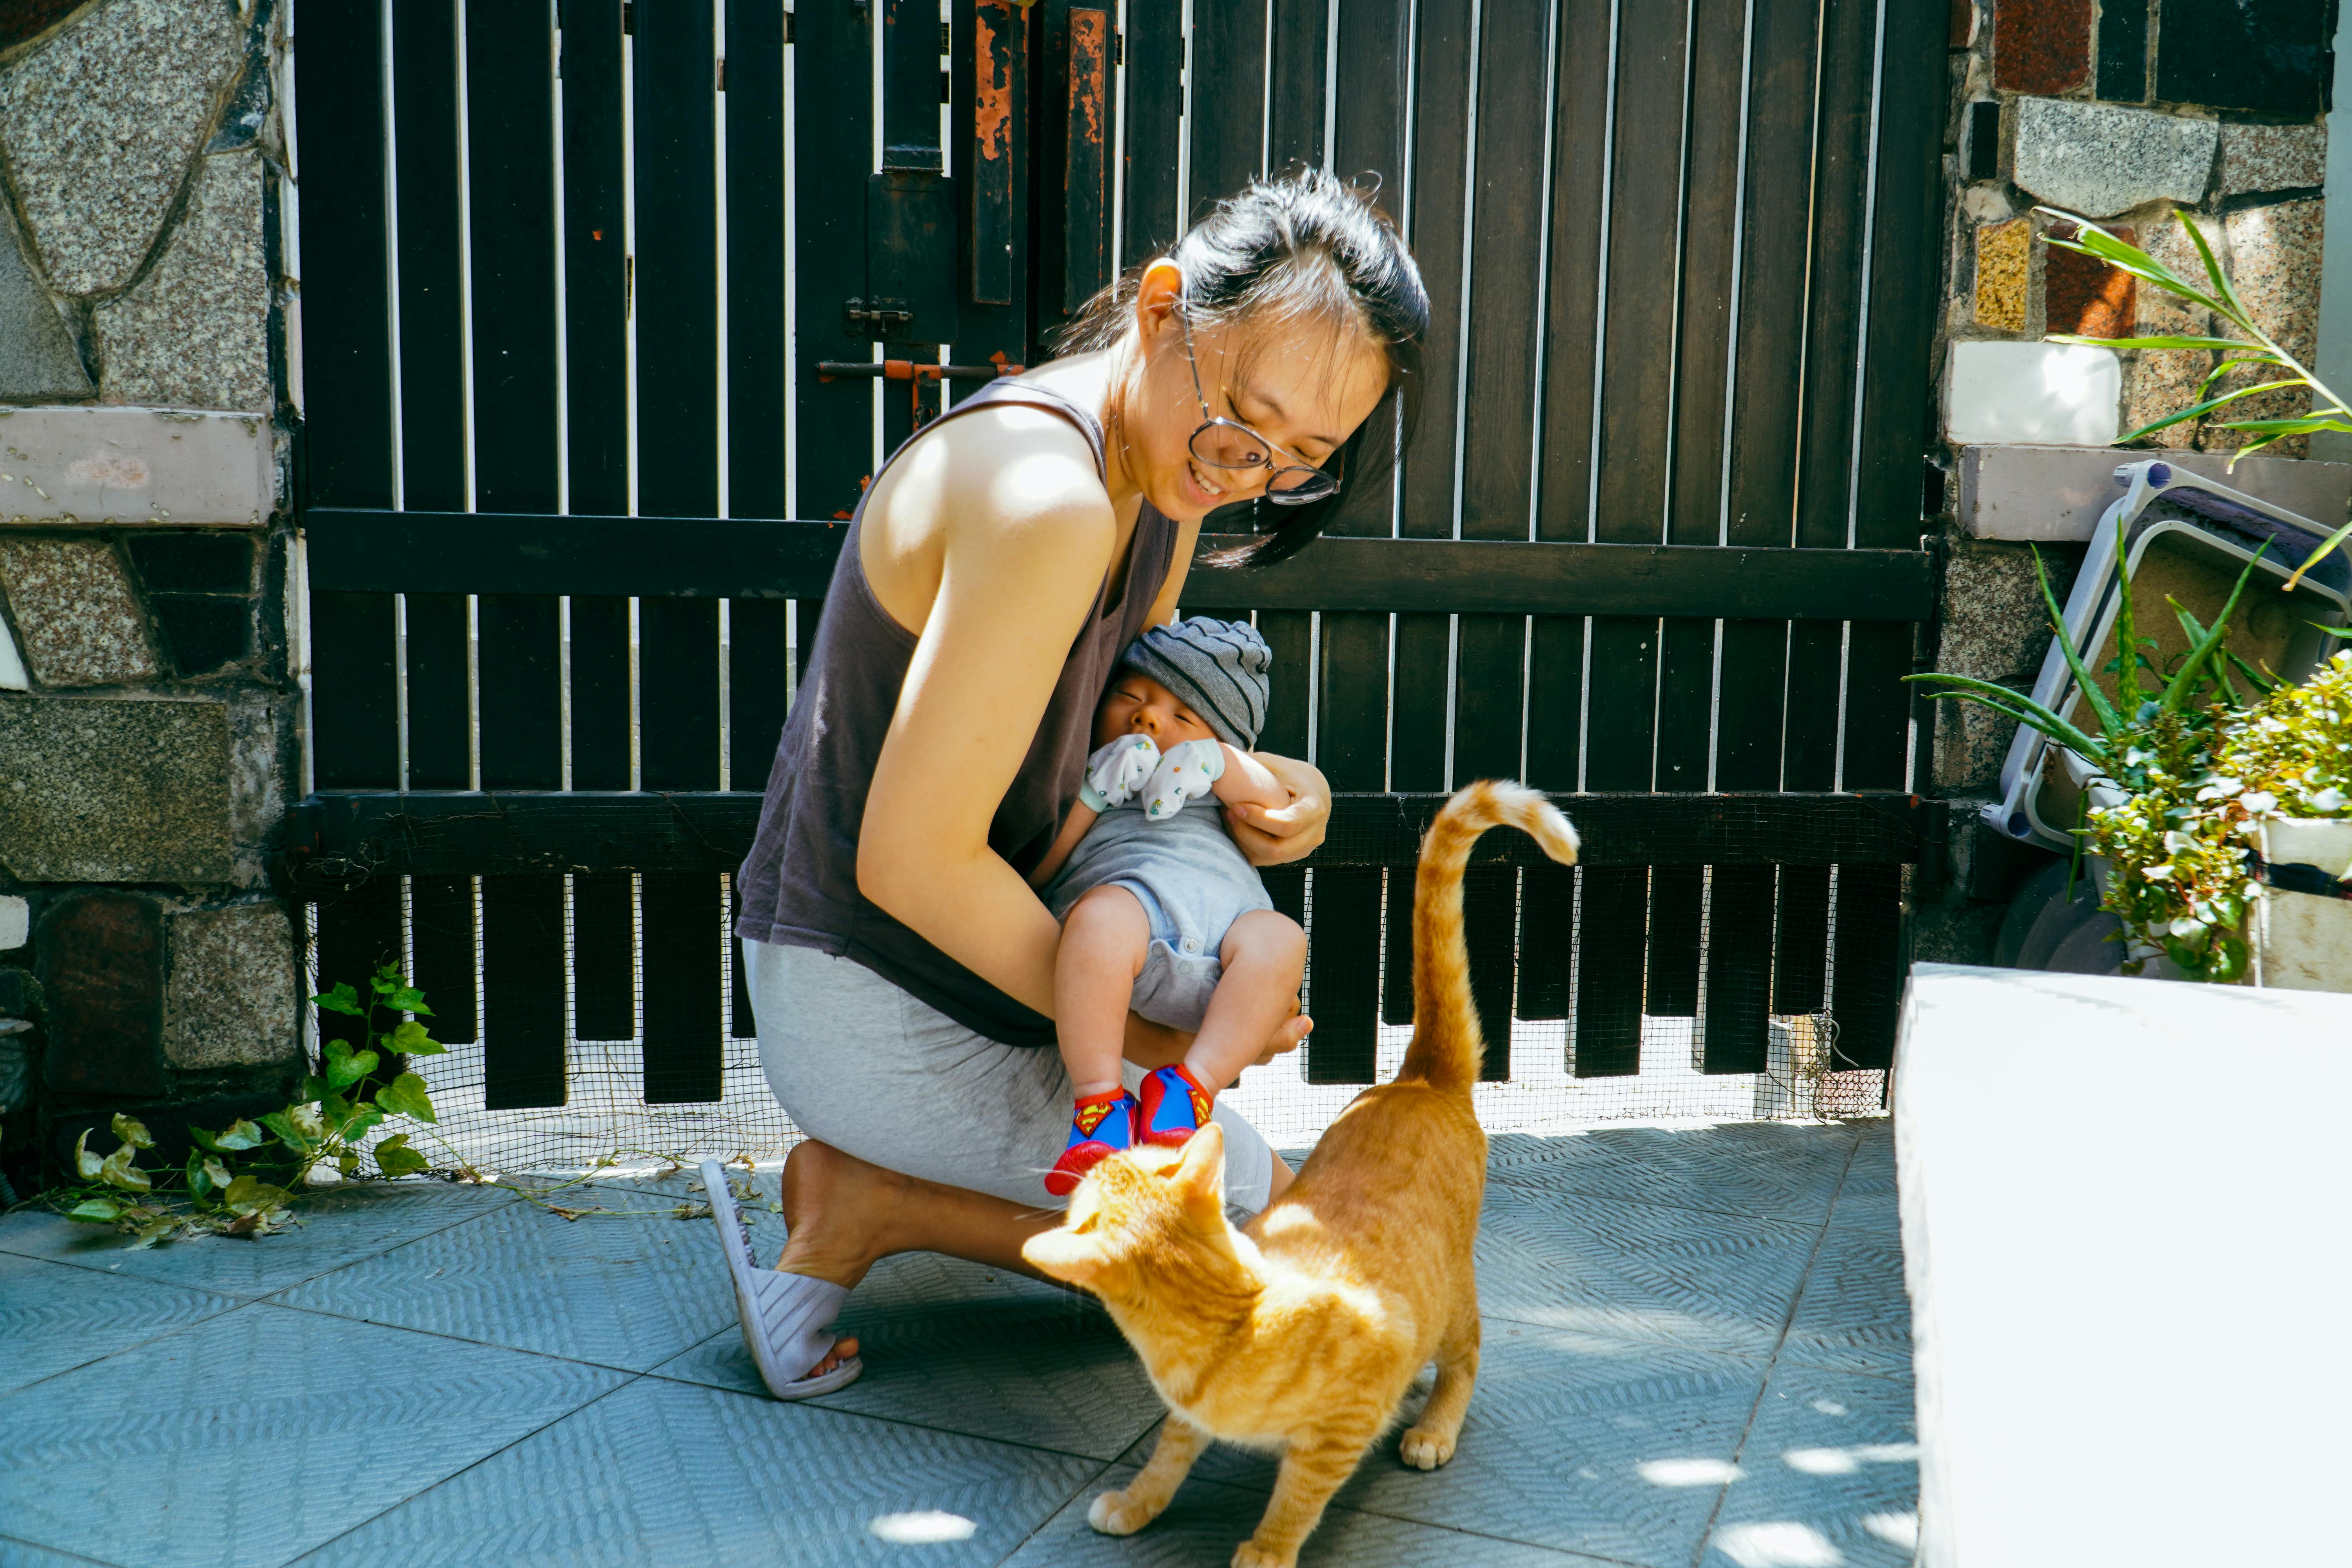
592 293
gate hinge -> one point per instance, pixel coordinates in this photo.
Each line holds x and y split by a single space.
1118 49
884 317
628 18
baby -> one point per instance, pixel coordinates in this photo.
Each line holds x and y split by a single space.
1160 910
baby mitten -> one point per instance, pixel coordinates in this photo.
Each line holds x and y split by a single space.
1117 770
1185 773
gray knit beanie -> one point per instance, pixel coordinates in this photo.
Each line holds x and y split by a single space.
1217 668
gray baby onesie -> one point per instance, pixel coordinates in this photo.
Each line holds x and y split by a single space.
1192 882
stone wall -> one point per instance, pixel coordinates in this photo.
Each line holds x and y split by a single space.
146 712
2143 116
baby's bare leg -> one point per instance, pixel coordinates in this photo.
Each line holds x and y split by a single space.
1265 958
1104 939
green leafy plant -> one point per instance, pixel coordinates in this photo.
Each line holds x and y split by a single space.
2156 742
2255 349
241 1180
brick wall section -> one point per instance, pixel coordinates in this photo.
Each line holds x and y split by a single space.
2140 115
147 717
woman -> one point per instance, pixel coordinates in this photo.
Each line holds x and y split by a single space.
901 966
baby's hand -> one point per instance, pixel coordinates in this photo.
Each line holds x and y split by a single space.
1185 774
1118 768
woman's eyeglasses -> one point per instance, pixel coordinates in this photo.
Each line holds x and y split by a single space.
1229 444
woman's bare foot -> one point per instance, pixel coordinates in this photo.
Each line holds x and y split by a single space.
846 1215
823 1193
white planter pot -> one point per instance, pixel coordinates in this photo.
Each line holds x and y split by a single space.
2302 940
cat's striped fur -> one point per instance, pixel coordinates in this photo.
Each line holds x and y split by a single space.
1303 1332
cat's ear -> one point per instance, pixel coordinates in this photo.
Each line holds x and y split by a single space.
1074 1259
1200 1175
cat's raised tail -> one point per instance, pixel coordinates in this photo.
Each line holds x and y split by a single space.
1446 1045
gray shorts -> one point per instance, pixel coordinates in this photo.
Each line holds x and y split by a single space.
861 1064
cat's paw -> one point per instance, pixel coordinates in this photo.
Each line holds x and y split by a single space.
1250 1555
1425 1449
1114 1513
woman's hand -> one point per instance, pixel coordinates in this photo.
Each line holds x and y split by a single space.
1274 835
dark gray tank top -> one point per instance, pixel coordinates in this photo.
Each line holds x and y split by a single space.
798 886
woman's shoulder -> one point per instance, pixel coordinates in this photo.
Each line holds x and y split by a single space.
1014 464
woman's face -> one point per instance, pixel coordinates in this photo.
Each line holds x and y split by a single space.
1304 385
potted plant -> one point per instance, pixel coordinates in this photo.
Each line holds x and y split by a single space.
2216 799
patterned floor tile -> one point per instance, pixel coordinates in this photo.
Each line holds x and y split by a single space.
674 1473
1779 1169
627 1292
1611 1447
338 1225
1207 1520
1829 1474
261 1433
25 1554
54 1318
1854 1314
967 1349
1568 1260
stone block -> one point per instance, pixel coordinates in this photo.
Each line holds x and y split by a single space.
2047 393
2097 159
100 123
2003 253
13 676
2085 296
22 21
117 790
1994 629
75 611
2271 56
2272 158
2275 264
2041 45
168 1122
2058 493
38 357
101 975
136 465
194 333
2164 383
15 921
187 562
232 996
203 632
2123 51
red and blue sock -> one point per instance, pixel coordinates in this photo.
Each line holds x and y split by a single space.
1174 1106
1104 1125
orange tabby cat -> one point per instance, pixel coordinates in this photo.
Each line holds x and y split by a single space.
1302 1332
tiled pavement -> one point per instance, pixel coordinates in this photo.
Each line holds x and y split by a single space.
1696 1354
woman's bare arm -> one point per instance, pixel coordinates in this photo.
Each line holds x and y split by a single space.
1082 816
1273 836
1022 558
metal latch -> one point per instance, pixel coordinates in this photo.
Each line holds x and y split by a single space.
886 319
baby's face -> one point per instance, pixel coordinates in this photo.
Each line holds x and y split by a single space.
1138 705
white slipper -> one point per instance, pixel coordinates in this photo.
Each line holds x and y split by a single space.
788 1319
